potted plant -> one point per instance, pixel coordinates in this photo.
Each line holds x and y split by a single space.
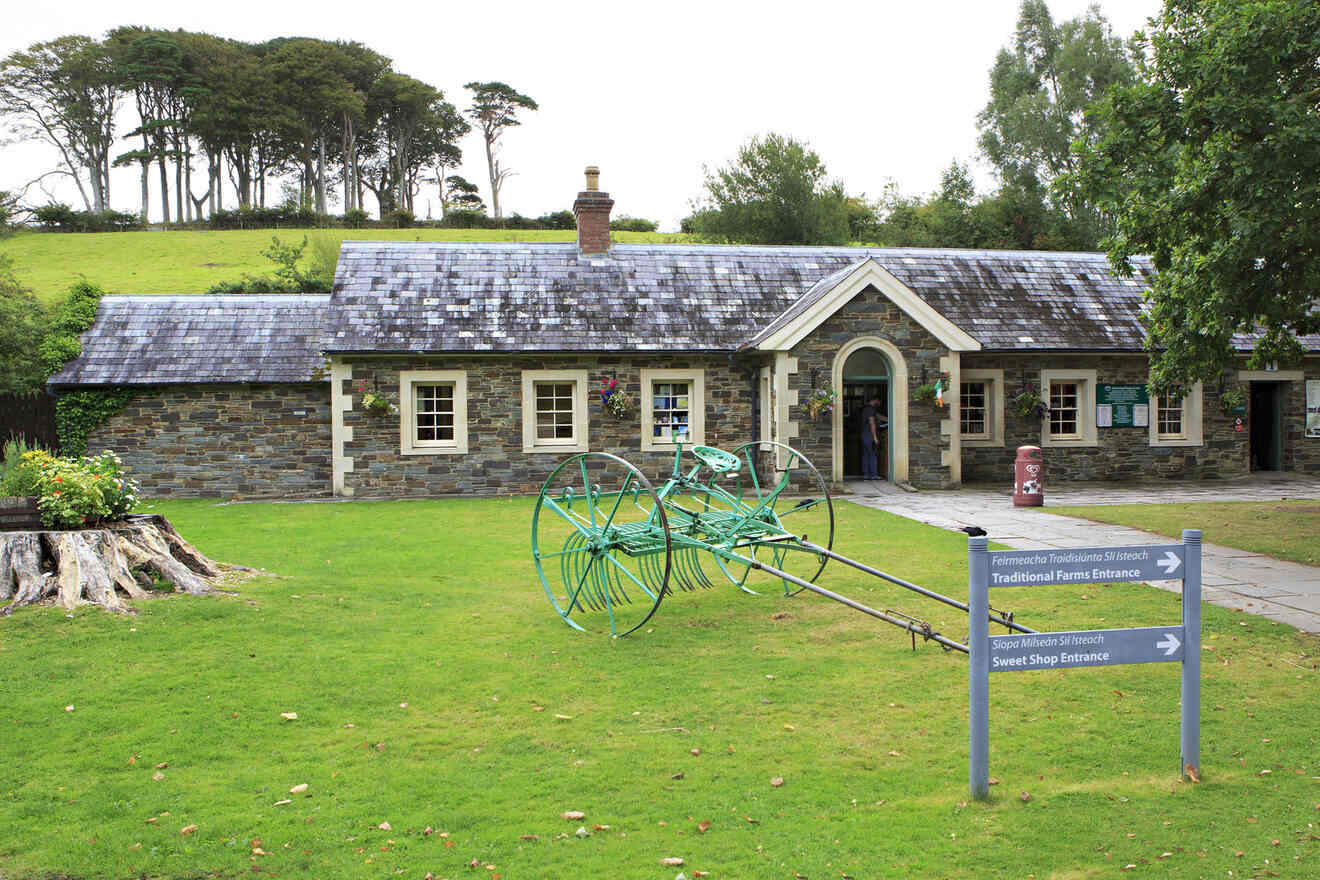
821 401
932 391
374 402
1029 404
616 401
1233 401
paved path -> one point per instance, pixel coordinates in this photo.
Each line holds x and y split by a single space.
1284 591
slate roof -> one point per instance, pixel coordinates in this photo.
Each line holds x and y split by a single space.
496 297
155 340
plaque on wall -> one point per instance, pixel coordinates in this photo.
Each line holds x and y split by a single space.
1129 404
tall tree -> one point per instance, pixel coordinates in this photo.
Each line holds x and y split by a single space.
415 129
1209 163
64 92
151 64
495 107
775 192
1041 94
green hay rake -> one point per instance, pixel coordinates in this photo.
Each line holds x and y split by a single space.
608 546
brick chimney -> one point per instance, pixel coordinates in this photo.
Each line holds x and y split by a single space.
592 209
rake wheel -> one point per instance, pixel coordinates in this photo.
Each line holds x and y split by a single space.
601 544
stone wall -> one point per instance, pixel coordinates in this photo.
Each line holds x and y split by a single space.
188 441
1122 453
495 463
1300 453
871 313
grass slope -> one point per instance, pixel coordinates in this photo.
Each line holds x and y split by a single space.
430 676
190 261
1284 529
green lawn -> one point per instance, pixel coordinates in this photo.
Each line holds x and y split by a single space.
190 261
1284 529
435 689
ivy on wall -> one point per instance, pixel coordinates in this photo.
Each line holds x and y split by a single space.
79 413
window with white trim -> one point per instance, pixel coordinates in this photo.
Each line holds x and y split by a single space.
673 408
981 407
433 412
554 405
1070 395
1177 423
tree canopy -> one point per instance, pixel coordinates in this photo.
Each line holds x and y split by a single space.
495 107
775 192
1210 164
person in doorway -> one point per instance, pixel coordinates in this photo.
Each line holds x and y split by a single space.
872 424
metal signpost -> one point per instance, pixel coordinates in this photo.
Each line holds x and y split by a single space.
1100 647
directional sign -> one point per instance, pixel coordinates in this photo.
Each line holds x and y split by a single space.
1085 565
1093 647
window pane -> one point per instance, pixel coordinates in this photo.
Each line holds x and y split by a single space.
1063 408
1171 418
554 410
433 412
670 406
973 407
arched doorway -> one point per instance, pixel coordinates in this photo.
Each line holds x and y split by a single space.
865 377
864 367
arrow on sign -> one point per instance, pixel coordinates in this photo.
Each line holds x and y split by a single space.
1170 562
1169 643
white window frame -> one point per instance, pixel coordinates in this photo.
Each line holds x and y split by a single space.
994 406
408 442
1192 433
767 410
1086 430
578 442
696 380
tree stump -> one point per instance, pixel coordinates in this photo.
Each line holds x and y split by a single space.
102 566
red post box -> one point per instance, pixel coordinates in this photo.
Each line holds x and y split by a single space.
1028 477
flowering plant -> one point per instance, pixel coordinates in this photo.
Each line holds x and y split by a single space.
374 402
820 401
72 493
616 400
1232 401
1029 403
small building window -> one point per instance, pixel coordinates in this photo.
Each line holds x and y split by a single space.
554 410
1071 399
1063 409
432 412
973 409
673 408
1177 423
981 407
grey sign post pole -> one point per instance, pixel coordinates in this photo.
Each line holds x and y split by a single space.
978 647
1190 737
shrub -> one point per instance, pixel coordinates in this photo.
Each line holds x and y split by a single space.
19 477
356 218
625 223
61 218
399 218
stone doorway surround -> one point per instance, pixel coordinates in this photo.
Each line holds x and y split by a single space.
898 406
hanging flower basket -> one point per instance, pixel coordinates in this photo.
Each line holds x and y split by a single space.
375 403
821 402
932 392
615 400
1029 404
1234 401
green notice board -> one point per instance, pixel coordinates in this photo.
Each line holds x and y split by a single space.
1119 406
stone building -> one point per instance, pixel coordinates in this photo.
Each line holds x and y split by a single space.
494 356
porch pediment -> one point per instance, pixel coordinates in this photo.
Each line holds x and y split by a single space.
834 291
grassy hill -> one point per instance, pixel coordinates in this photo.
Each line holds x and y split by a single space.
190 261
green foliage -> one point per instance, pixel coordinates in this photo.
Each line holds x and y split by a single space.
22 329
1042 95
625 223
399 218
56 217
72 317
289 277
79 413
17 476
1209 164
356 218
775 192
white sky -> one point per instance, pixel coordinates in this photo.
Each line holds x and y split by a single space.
649 92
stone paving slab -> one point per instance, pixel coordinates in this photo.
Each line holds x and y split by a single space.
1287 592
